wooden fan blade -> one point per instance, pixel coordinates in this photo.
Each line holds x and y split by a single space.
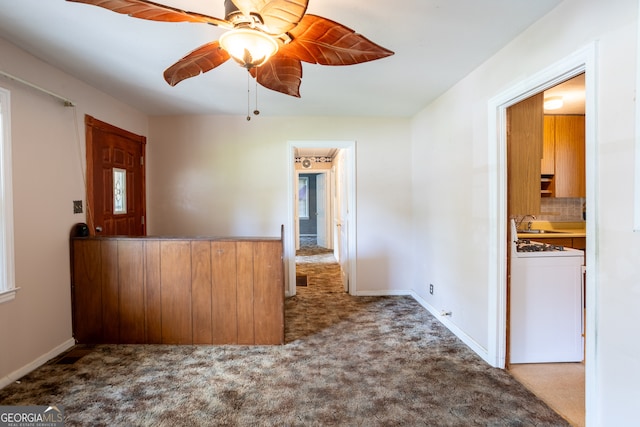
154 12
281 74
203 59
279 16
249 6
322 41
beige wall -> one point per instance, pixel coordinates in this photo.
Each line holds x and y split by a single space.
221 175
48 163
451 164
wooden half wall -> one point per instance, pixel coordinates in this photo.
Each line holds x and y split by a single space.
177 291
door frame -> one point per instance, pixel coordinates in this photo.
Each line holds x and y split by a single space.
349 148
91 123
327 195
582 61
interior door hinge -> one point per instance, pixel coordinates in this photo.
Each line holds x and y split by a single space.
141 161
142 220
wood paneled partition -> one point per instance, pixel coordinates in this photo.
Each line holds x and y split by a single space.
177 291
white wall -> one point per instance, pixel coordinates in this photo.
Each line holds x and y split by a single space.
221 175
451 166
48 162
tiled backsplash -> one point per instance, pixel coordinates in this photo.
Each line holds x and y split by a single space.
561 209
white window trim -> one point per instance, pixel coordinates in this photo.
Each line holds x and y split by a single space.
7 265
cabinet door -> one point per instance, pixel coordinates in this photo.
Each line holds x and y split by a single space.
524 152
579 243
570 175
547 165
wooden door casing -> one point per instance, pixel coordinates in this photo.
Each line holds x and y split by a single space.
109 147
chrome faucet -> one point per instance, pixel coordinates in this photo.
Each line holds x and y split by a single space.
519 222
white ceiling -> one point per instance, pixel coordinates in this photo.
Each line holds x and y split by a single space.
572 93
436 43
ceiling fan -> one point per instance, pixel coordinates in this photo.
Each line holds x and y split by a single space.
270 38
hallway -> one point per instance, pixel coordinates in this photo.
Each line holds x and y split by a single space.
320 267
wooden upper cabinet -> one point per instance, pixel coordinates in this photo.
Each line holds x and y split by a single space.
569 156
525 123
548 164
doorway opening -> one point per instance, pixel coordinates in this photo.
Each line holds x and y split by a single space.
316 188
545 345
582 61
322 212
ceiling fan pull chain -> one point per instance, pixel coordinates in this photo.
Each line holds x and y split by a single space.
248 95
256 111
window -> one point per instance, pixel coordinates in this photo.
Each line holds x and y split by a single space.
119 191
7 278
303 197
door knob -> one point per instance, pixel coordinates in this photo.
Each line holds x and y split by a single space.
98 229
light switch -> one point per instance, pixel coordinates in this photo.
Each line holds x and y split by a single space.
77 206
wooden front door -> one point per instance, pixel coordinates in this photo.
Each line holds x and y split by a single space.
115 180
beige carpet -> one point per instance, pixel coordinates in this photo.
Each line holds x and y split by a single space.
348 361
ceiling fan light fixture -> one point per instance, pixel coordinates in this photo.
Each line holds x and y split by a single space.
250 48
553 103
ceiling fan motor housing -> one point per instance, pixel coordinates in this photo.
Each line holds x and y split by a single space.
229 8
238 19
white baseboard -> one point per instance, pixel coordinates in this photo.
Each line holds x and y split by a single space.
470 342
384 293
19 373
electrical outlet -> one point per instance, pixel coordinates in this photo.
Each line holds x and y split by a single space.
77 206
431 288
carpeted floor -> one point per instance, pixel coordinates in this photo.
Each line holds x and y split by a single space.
348 361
